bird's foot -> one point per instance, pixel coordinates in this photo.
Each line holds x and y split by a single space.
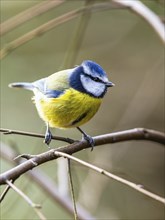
48 137
87 138
90 140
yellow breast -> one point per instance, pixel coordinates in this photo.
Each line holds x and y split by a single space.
71 109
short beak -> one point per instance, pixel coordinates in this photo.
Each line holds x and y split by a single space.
109 84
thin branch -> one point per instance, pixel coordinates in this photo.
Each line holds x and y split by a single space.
27 199
51 189
127 135
132 134
30 134
4 193
50 25
72 190
136 187
149 16
48 187
36 207
27 15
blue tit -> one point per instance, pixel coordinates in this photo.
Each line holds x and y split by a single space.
69 98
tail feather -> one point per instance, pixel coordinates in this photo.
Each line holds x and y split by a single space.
23 85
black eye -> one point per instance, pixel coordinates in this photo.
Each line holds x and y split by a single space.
96 79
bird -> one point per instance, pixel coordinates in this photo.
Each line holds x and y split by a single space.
69 98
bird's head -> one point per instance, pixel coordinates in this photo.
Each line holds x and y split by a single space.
90 78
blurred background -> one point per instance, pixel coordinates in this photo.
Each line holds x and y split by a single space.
133 57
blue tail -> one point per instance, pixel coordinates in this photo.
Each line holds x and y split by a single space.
23 85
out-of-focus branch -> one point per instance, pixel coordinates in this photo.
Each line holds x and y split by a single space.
77 38
135 6
49 187
132 134
136 187
28 14
50 25
140 9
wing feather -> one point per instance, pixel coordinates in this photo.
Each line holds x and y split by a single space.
54 85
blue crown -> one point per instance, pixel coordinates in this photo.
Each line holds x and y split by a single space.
93 67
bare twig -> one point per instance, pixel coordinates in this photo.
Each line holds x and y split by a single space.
136 187
5 192
27 199
36 207
30 134
28 14
132 134
72 190
149 16
49 187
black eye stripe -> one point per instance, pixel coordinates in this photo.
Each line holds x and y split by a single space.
96 79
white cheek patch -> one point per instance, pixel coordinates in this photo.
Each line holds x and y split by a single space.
95 88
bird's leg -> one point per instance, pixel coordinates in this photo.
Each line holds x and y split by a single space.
87 138
48 135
